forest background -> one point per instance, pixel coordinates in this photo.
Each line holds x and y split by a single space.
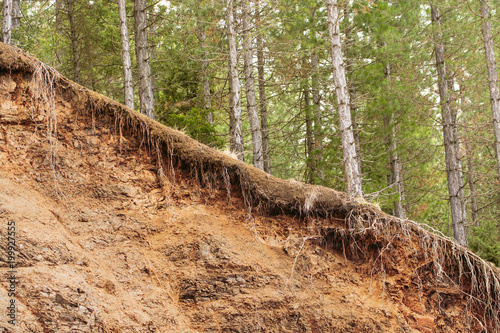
421 79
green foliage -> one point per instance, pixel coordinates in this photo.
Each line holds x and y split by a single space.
484 241
193 122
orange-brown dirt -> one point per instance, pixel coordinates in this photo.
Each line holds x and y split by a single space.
106 243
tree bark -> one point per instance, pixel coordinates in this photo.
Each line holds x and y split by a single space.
59 30
352 175
253 116
16 14
396 177
146 97
310 174
471 174
16 19
207 97
128 83
234 91
451 140
75 47
472 186
318 126
7 22
262 96
492 77
352 88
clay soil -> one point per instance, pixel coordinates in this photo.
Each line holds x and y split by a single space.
105 244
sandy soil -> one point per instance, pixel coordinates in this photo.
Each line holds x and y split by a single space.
105 246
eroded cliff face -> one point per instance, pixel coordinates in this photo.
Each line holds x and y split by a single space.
104 246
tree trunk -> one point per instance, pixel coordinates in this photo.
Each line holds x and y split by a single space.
310 174
234 91
318 126
451 140
75 48
262 96
128 82
352 88
7 21
472 186
16 19
471 175
352 175
395 177
492 77
59 31
146 97
206 100
16 14
232 120
207 97
253 116
394 163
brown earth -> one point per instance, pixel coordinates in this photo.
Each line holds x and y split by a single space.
126 226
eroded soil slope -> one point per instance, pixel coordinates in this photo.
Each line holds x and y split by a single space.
104 247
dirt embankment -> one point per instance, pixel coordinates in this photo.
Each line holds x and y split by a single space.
118 231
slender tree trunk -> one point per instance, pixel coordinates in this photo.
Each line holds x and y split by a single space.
471 174
318 126
234 91
75 47
355 125
472 186
451 140
207 97
16 14
395 176
262 96
311 167
253 116
492 76
16 19
352 88
59 30
232 119
146 97
59 18
395 165
7 21
352 175
128 82
11 20
399 209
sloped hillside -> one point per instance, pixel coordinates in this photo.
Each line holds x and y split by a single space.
124 225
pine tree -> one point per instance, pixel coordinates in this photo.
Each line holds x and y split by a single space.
128 83
253 116
236 135
7 22
207 97
266 157
75 41
146 97
451 140
492 76
351 167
